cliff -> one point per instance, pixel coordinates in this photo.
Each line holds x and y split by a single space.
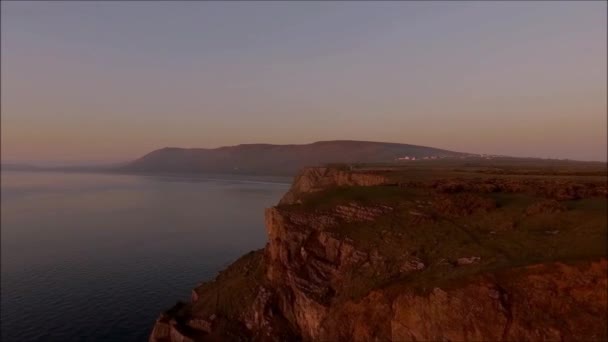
315 179
410 255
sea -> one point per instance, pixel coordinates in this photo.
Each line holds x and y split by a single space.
97 257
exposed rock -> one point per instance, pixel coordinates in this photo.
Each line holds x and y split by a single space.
167 329
315 179
315 282
412 265
194 296
467 260
200 324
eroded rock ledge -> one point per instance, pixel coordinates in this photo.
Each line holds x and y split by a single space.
385 261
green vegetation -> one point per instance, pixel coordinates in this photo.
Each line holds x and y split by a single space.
233 289
520 226
431 224
378 195
475 167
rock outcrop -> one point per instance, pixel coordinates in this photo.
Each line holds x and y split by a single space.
314 179
360 271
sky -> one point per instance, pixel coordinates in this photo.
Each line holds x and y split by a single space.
89 81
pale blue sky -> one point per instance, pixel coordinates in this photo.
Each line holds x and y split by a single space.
110 81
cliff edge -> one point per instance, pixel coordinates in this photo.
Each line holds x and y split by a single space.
406 254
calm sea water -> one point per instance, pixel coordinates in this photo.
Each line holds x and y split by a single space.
97 257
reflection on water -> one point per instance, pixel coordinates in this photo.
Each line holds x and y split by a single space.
96 257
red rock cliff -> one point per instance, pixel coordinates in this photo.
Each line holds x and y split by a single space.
426 276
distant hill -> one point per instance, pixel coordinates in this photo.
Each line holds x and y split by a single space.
276 159
18 167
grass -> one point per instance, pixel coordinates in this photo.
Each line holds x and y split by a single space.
503 237
377 195
234 289
436 226
494 168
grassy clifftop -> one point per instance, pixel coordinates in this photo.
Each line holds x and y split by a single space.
428 251
487 217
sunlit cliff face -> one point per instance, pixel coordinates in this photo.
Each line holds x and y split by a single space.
112 81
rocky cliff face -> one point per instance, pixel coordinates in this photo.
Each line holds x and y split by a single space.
417 267
315 179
